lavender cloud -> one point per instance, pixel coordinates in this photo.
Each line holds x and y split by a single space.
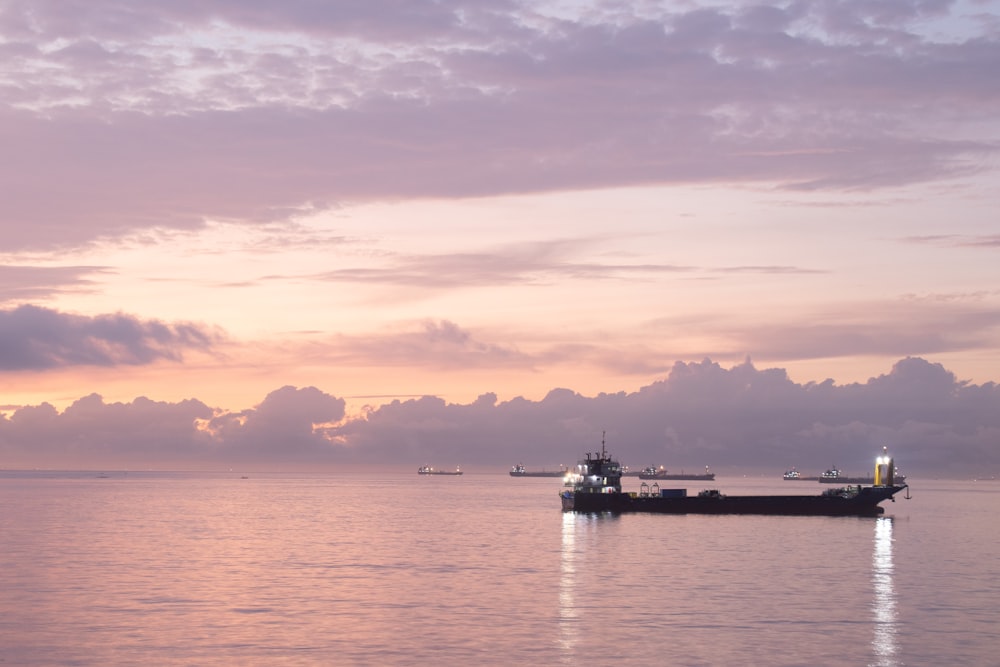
34 338
29 283
91 433
702 414
118 117
910 325
438 344
736 420
523 263
283 427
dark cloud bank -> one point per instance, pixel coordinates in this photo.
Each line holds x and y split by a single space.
740 420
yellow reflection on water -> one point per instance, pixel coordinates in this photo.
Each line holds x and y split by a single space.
885 626
568 620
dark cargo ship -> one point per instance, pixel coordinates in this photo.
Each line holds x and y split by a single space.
427 470
835 476
661 473
595 486
520 471
793 475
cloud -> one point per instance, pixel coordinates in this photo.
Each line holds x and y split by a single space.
281 431
25 283
93 434
434 344
117 119
535 263
773 270
370 20
522 263
914 325
284 428
737 420
34 338
930 324
958 241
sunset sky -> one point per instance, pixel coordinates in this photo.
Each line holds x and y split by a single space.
299 212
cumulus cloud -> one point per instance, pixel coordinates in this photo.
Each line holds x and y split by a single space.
119 117
93 434
286 428
34 338
737 420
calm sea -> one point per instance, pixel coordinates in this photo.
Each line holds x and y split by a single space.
483 569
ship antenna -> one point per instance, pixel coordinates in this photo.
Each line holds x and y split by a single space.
604 453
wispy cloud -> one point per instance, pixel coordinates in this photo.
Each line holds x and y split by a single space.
913 326
27 283
957 240
523 263
434 344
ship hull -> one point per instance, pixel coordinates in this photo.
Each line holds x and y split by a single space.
537 474
854 480
700 477
864 503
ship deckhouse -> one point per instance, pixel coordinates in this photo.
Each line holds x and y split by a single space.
597 473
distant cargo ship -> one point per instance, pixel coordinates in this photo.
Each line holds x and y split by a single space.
520 471
661 473
427 470
835 476
793 475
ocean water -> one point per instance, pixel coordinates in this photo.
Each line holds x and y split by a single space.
483 569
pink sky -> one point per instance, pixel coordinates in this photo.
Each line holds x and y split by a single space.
205 202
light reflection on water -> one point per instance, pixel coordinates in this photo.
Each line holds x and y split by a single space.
568 621
884 642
